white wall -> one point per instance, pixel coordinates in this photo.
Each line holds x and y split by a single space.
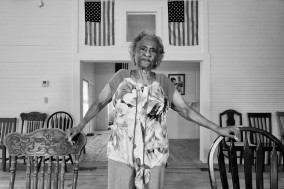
247 56
35 45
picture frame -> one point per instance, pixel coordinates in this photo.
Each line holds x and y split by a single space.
179 81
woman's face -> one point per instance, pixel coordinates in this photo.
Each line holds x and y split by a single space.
146 53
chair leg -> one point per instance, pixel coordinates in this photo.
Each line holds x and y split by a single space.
70 157
283 161
4 159
84 150
39 164
10 159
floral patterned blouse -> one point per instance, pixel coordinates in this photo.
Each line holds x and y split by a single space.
139 136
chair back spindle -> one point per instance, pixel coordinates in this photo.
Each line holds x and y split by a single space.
61 120
32 121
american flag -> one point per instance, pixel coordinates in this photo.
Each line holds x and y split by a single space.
183 22
99 23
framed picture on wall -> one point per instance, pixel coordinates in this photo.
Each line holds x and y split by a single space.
179 81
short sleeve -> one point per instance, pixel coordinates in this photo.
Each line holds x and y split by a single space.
168 87
117 79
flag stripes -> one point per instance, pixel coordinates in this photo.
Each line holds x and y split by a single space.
100 33
184 33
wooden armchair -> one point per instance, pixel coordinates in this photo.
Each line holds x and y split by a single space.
7 125
246 175
44 143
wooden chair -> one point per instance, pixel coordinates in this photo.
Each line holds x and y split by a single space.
280 121
61 120
228 118
7 125
44 143
32 121
244 176
261 121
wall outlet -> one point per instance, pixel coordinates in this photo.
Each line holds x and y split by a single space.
45 99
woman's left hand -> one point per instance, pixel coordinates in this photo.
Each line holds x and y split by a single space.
229 131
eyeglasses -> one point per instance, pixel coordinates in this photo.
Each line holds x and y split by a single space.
152 51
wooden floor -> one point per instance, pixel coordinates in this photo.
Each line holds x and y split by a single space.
184 171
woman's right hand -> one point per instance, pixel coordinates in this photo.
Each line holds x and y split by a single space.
71 132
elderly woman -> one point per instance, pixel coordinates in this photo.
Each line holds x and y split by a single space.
138 148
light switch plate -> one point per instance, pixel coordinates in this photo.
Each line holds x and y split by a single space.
45 83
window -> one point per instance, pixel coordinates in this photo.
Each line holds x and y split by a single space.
85 97
138 22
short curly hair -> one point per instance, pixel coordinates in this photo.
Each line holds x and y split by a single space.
146 34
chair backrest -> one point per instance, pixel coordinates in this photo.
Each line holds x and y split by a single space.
280 121
7 125
43 144
252 172
32 121
228 118
61 120
230 114
261 121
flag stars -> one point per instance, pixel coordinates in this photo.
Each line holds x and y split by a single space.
176 11
93 11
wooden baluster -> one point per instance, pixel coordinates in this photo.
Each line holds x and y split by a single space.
222 167
3 132
60 122
260 153
63 168
64 125
274 169
49 167
247 164
56 165
76 168
56 123
35 175
234 166
28 172
27 126
42 172
68 124
13 171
